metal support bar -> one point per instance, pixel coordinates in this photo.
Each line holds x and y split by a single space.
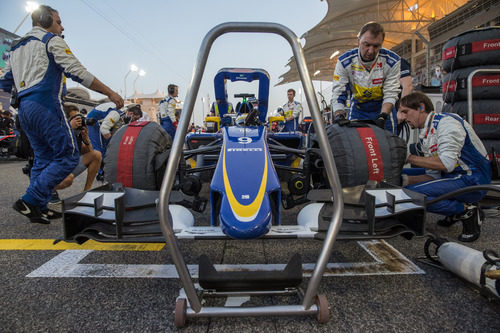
470 117
428 56
257 311
169 178
286 292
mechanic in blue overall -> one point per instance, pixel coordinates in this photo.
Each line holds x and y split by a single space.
291 111
167 110
102 122
37 66
371 75
453 158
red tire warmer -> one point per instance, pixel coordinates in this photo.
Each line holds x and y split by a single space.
124 169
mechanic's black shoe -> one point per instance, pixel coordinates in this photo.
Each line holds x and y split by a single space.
448 221
100 177
32 212
54 199
51 214
471 222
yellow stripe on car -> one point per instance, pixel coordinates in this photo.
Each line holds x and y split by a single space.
244 212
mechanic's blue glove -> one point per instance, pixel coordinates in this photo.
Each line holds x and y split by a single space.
381 120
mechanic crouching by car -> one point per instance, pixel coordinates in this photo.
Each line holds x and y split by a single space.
38 63
371 74
453 158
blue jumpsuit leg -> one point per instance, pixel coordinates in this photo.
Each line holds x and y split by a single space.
413 171
168 126
95 139
54 145
98 143
453 206
391 124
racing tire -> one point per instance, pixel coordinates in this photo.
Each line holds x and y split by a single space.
472 48
486 116
323 314
180 313
484 85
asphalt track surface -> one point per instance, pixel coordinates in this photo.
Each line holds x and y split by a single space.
426 300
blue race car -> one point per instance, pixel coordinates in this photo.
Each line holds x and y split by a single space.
245 207
248 173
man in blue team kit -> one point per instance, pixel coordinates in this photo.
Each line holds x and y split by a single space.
291 112
453 158
103 119
37 66
371 74
167 110
102 122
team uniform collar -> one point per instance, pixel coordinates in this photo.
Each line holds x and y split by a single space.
368 65
428 124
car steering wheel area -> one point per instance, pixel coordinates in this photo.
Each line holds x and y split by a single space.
251 118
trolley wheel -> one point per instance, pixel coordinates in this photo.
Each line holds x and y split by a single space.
180 313
323 311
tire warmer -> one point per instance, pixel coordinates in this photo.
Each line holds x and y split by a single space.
124 169
473 47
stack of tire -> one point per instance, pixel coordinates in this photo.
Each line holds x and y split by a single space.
463 54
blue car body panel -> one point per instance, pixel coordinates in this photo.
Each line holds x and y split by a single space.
245 75
245 185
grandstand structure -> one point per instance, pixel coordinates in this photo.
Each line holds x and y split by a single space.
415 29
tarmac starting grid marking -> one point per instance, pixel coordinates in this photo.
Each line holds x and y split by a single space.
387 261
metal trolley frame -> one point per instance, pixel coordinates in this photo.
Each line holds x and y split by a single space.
312 303
470 113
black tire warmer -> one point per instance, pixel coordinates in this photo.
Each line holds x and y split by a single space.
486 116
363 152
478 47
484 85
